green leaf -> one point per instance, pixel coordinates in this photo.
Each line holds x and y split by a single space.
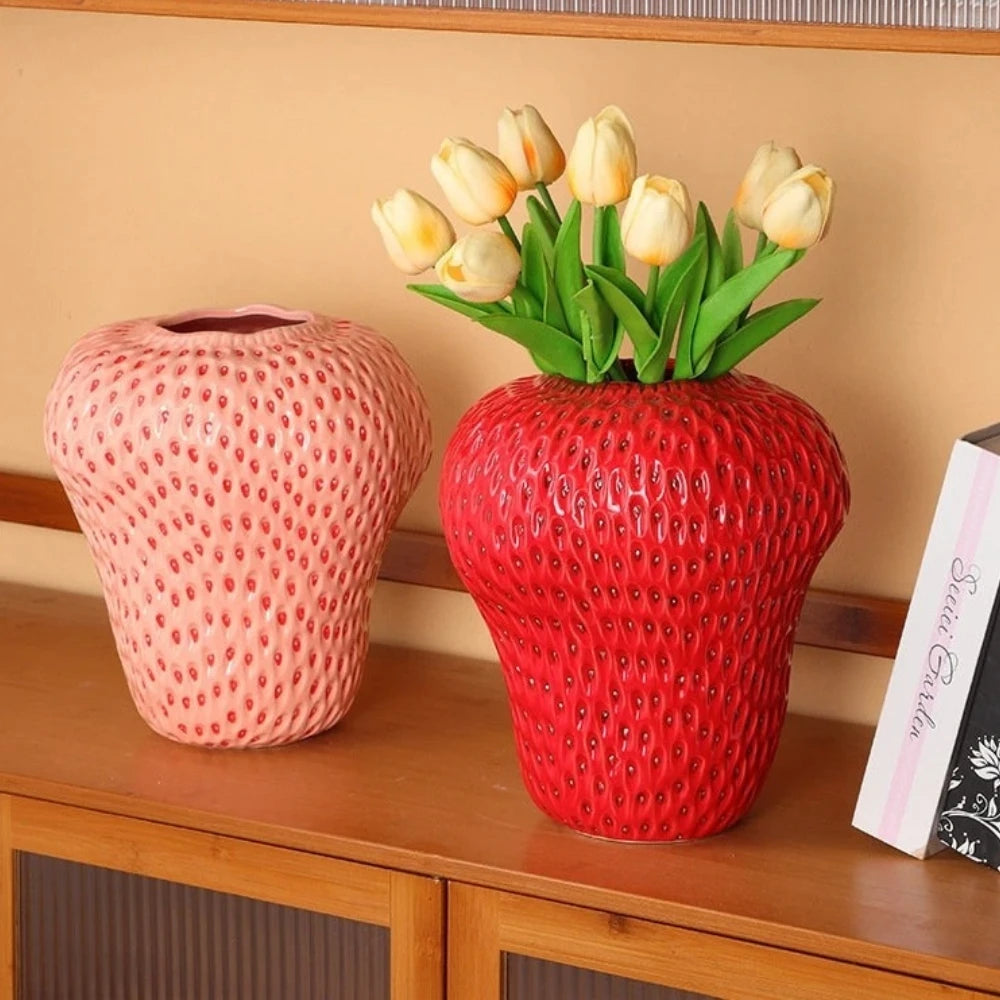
547 229
614 288
568 271
757 330
525 304
622 282
684 363
716 269
726 303
561 352
552 311
612 251
447 298
599 338
653 367
732 246
533 264
543 366
671 275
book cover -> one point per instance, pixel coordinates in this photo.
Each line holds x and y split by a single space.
909 764
970 816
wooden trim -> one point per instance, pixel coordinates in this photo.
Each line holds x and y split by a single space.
8 904
36 501
416 937
824 36
203 860
849 622
474 949
689 960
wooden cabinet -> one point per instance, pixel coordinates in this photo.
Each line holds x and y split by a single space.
410 816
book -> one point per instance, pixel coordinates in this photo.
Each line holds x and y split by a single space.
908 768
970 814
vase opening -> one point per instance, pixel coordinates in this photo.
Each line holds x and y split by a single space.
243 323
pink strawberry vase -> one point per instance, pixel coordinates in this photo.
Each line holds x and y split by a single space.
236 474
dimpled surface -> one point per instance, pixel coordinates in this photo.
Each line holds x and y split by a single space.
640 555
237 490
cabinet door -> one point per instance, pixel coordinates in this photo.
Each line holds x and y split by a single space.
96 907
517 948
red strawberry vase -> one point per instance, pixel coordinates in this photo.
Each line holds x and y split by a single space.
640 554
236 474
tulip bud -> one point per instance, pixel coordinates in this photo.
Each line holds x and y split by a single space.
601 167
477 184
528 148
771 165
481 267
796 215
415 232
658 220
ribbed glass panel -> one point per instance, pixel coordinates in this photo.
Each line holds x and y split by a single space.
89 933
983 14
535 979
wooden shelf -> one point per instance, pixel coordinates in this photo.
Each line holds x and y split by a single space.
852 623
421 777
824 36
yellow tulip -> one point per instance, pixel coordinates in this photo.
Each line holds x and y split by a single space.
771 165
528 148
658 220
601 166
415 231
481 267
797 213
476 183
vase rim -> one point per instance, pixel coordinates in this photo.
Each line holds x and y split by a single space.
235 324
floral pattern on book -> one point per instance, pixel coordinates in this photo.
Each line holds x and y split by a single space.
970 821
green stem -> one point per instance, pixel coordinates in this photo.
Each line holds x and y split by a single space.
599 235
543 192
654 277
761 243
616 373
509 232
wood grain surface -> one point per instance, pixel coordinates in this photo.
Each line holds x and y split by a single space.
853 623
8 904
421 777
724 32
690 960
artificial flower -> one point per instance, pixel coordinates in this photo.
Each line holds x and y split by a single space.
658 220
602 164
415 231
528 148
476 183
771 164
796 215
481 267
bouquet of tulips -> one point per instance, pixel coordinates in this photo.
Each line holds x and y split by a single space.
573 316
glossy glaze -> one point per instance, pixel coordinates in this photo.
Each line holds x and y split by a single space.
640 555
236 475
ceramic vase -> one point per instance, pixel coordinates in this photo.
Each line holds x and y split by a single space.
236 475
640 555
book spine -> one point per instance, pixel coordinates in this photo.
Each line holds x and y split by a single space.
914 742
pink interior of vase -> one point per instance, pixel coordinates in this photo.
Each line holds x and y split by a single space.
242 323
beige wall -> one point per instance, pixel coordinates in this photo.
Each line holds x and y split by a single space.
148 165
